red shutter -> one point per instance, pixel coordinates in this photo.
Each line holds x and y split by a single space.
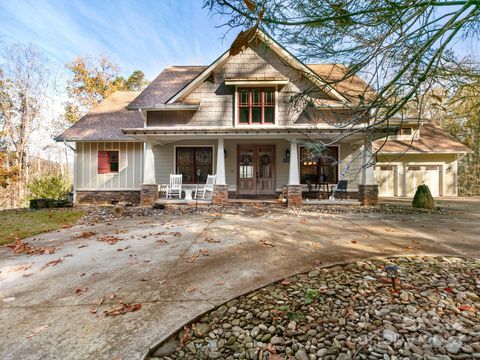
103 162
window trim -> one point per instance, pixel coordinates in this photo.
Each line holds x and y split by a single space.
405 128
262 89
214 160
338 160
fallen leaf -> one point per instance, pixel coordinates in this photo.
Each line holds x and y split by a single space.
85 235
285 282
51 263
27 275
204 252
267 243
82 246
80 291
466 308
211 241
123 309
354 241
68 255
220 283
20 246
101 301
109 239
94 310
190 290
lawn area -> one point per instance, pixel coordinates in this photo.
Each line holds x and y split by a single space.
24 223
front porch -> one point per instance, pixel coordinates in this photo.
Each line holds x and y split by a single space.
265 164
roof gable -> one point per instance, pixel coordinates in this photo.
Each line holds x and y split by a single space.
274 46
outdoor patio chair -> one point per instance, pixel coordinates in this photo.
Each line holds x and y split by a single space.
340 188
313 193
175 186
208 187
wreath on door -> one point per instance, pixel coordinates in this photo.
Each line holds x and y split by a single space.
265 159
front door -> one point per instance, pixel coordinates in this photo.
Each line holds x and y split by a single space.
256 170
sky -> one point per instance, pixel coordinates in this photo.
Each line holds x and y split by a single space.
136 34
146 35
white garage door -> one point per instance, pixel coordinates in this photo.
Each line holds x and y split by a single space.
385 177
423 174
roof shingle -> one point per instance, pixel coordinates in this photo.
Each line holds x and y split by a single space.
432 139
170 81
106 120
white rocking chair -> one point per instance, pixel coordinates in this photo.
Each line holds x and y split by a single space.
208 185
175 186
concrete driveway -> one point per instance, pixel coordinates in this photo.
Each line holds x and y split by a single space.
180 266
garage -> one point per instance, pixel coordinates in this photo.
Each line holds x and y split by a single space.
386 176
423 174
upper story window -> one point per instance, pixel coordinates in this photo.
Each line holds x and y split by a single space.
256 106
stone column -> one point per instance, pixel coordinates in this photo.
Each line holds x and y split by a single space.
220 189
148 189
368 189
294 189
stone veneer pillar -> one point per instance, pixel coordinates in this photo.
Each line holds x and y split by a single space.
294 189
294 195
148 194
368 194
220 194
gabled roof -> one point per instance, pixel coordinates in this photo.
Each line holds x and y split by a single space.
106 120
169 82
274 46
433 139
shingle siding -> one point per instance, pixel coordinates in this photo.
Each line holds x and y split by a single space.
217 99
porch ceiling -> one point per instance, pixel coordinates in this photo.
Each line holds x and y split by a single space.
168 135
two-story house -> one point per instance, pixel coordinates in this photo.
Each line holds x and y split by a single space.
238 118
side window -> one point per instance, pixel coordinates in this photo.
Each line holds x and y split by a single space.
108 162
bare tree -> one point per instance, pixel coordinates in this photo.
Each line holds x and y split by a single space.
24 80
400 47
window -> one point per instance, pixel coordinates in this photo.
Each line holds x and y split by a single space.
406 131
194 163
108 162
319 169
256 106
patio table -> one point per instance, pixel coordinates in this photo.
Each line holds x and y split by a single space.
189 190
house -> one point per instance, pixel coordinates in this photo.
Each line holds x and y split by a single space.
237 118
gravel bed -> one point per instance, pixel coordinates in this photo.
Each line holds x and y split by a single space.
346 312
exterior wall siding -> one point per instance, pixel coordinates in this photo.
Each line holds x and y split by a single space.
447 163
165 161
130 170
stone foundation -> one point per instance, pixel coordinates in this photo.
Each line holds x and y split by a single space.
108 197
294 195
220 194
148 194
368 195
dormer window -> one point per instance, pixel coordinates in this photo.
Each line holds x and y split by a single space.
256 106
406 131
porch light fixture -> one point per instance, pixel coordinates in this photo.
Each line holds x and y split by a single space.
287 154
392 273
225 153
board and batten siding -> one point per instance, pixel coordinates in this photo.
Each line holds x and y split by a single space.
130 166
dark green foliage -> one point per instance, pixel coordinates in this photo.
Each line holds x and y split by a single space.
423 198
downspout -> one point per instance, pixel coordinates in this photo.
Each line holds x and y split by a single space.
75 164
